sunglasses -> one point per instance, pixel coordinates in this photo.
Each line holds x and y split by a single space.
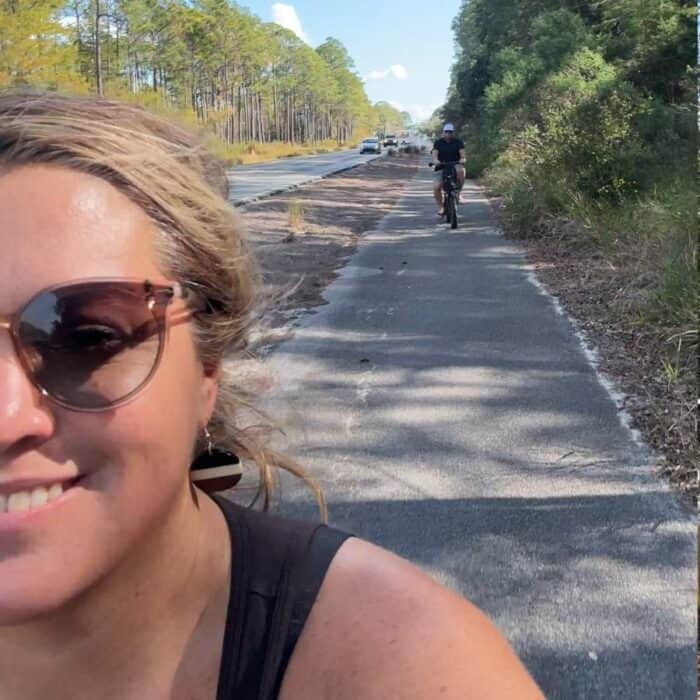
93 345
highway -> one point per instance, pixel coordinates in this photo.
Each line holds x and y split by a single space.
250 182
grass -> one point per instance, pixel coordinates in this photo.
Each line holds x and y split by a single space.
657 235
295 218
256 152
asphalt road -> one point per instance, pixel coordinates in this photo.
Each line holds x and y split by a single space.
249 182
451 415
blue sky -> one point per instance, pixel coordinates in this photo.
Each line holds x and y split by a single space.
402 48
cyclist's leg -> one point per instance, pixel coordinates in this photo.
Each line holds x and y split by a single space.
461 176
437 191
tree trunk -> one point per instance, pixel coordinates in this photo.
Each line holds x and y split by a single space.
98 52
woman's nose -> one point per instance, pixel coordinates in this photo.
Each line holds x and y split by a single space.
23 413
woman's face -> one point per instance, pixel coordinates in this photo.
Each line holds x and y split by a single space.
58 225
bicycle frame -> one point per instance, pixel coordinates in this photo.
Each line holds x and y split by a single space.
449 178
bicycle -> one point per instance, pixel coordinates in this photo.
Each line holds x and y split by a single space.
450 189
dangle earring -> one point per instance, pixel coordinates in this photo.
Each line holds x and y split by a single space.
215 469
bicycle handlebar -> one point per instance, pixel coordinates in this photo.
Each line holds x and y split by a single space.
440 166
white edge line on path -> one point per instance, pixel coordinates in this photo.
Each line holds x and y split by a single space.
593 358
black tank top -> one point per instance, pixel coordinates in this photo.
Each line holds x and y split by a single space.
278 566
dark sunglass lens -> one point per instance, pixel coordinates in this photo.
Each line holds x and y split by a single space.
91 345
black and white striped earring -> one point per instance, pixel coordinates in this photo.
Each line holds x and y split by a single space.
215 469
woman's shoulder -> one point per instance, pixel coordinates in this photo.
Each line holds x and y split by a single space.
382 628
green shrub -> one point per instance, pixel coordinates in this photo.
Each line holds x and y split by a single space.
589 115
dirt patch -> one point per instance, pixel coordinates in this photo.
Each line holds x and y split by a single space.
304 236
606 294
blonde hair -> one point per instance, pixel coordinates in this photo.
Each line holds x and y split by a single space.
182 187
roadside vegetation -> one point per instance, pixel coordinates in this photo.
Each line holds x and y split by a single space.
259 90
581 115
259 152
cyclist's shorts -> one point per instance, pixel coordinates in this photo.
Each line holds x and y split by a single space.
437 175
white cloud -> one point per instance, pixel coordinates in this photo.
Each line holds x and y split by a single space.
396 71
286 16
418 112
421 112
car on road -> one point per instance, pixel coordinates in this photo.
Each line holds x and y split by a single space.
371 145
391 140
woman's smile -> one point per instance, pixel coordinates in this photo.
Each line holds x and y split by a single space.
21 501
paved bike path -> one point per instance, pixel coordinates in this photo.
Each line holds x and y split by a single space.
451 416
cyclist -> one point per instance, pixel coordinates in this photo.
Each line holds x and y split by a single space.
447 149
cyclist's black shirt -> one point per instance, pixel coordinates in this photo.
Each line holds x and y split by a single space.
448 152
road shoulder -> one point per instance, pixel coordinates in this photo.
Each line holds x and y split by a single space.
304 236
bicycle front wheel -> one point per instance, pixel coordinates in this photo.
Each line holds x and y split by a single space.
451 211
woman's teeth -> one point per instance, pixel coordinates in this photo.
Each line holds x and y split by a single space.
22 501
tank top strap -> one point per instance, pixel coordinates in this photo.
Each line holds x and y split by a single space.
305 579
278 566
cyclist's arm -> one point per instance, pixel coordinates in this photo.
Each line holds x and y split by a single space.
462 156
435 155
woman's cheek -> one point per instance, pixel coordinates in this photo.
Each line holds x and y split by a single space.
150 448
160 426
